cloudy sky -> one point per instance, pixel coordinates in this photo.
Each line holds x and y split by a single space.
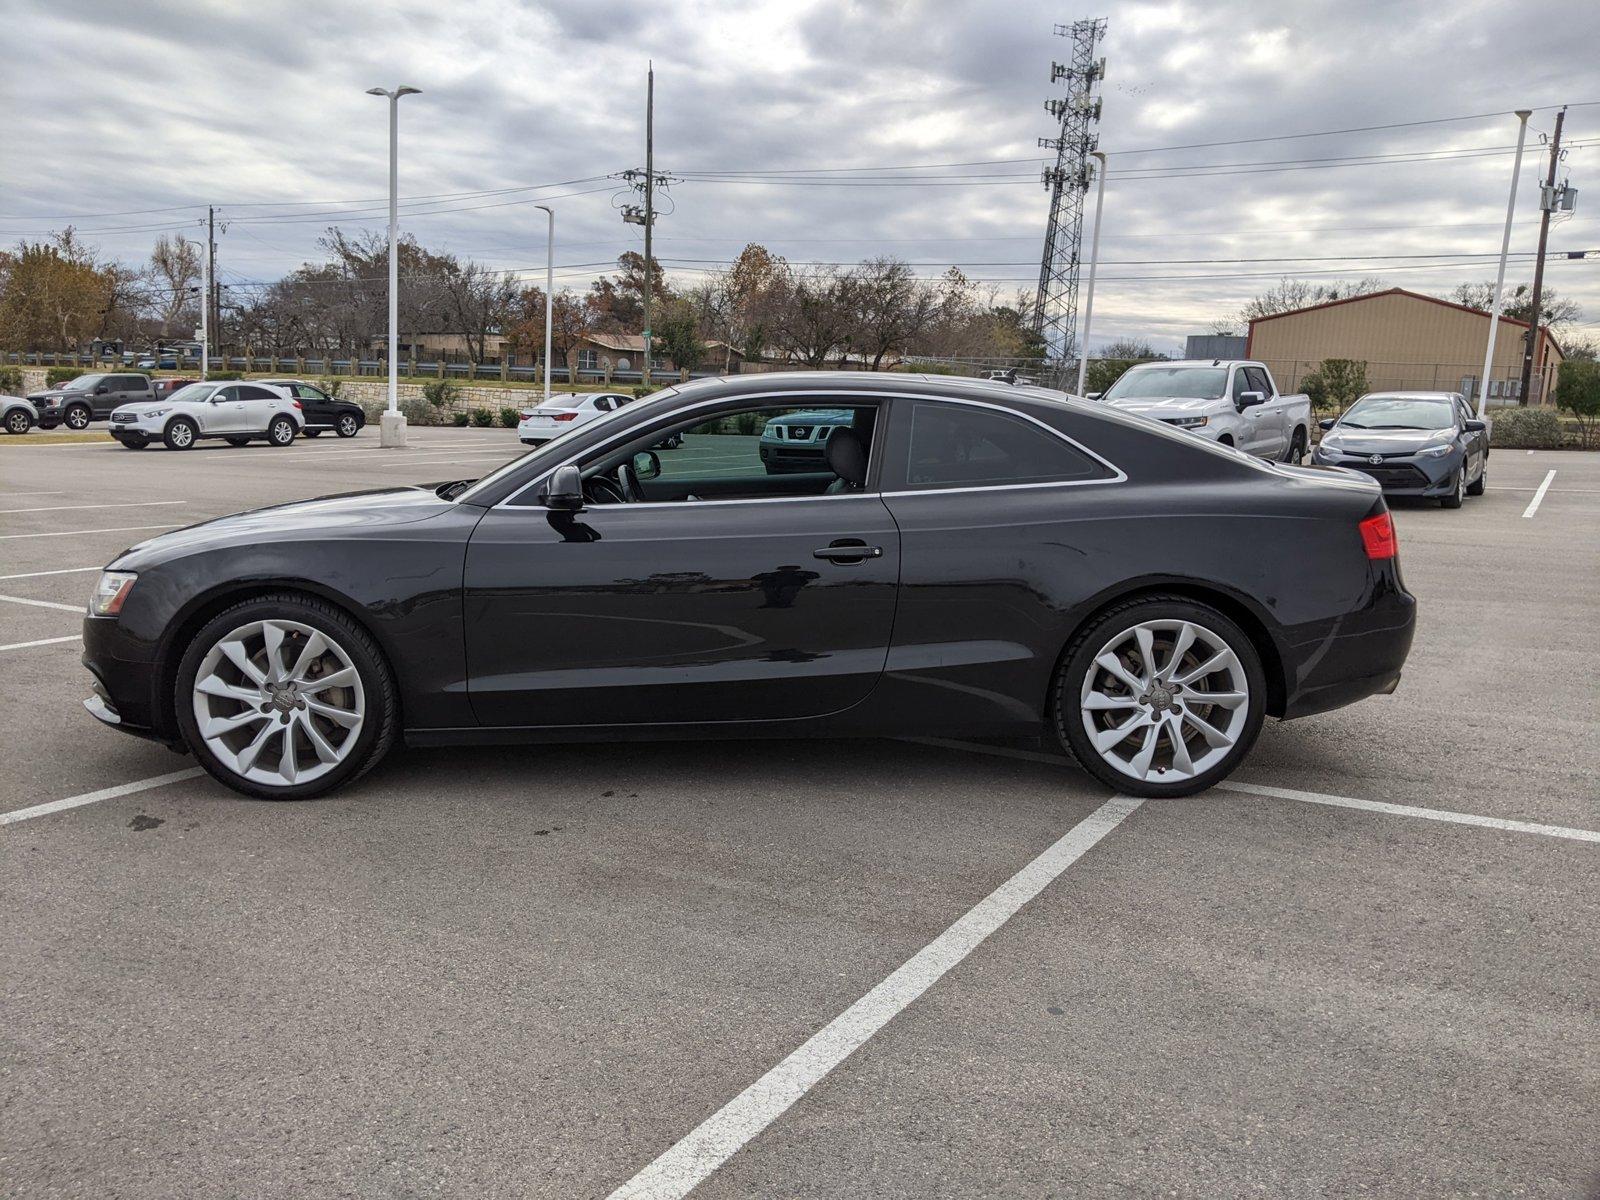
126 118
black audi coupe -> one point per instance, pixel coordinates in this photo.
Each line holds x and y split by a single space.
967 558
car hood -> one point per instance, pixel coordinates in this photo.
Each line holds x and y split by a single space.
139 407
1162 406
1382 441
369 512
49 394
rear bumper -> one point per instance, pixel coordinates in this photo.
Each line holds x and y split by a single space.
1328 665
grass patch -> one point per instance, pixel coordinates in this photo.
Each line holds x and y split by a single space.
55 437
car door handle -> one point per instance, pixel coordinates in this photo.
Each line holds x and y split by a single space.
848 552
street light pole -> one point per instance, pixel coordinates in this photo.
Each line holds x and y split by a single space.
549 289
205 306
1094 261
392 428
1500 278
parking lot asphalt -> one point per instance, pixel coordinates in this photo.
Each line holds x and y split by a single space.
556 971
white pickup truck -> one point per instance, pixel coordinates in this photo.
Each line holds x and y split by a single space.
1229 401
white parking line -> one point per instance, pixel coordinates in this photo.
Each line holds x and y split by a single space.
1538 497
1411 810
76 637
11 537
110 793
41 574
75 507
1257 789
685 1165
8 495
76 608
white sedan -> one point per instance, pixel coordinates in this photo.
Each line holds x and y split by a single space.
236 412
551 418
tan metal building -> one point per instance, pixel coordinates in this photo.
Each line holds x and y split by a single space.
1407 340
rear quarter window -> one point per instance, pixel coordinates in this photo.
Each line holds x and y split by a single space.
956 446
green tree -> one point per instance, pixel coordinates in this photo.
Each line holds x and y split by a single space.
1342 380
678 337
1578 392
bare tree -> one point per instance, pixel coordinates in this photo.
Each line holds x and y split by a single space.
818 315
892 306
1555 312
174 269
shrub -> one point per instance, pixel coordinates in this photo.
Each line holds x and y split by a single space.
10 380
483 418
1524 429
747 423
441 393
509 417
1103 372
418 412
222 375
1343 380
1578 393
331 386
56 376
460 418
1316 387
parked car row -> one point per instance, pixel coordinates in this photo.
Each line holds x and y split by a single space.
179 412
564 412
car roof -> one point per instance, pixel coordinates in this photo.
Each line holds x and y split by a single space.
1386 395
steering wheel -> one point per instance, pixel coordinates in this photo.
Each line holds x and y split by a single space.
601 490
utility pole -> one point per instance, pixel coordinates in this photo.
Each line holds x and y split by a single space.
213 309
1547 204
649 201
1500 277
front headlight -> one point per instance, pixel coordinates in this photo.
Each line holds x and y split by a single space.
1324 450
1187 422
154 412
111 592
1436 451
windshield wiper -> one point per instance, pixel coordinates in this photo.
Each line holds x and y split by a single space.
1395 427
1353 425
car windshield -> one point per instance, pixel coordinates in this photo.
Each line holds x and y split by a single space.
1153 383
561 402
194 391
1398 412
82 383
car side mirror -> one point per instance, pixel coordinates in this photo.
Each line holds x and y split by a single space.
647 465
1477 426
1093 395
565 493
1250 400
1326 423
101 390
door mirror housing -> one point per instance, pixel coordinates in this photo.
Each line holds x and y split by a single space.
101 390
1326 423
647 465
1250 400
565 493
1477 426
1093 395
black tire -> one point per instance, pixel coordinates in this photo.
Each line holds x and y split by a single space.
238 441
312 432
1457 491
18 421
1475 488
77 416
1225 440
280 432
180 434
381 727
348 425
1078 660
1297 447
134 443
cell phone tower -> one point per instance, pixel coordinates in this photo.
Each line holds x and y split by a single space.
1055 311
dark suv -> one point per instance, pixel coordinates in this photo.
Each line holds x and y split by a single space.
89 398
321 410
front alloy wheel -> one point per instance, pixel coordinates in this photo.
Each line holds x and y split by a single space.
1458 491
17 421
285 698
180 434
1160 697
76 417
348 426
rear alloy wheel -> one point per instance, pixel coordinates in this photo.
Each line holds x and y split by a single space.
1458 491
285 698
17 422
1160 697
239 441
281 431
180 434
348 425
76 417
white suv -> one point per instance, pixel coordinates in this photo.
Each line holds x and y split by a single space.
235 412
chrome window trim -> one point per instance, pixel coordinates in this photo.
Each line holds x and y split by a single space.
1117 473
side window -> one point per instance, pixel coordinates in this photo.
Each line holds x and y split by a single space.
604 404
1258 381
957 445
247 392
306 392
1241 384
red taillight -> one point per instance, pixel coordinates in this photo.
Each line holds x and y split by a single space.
297 404
1377 535
566 416
524 415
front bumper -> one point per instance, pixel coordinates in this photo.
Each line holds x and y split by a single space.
1411 475
125 684
146 427
779 457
